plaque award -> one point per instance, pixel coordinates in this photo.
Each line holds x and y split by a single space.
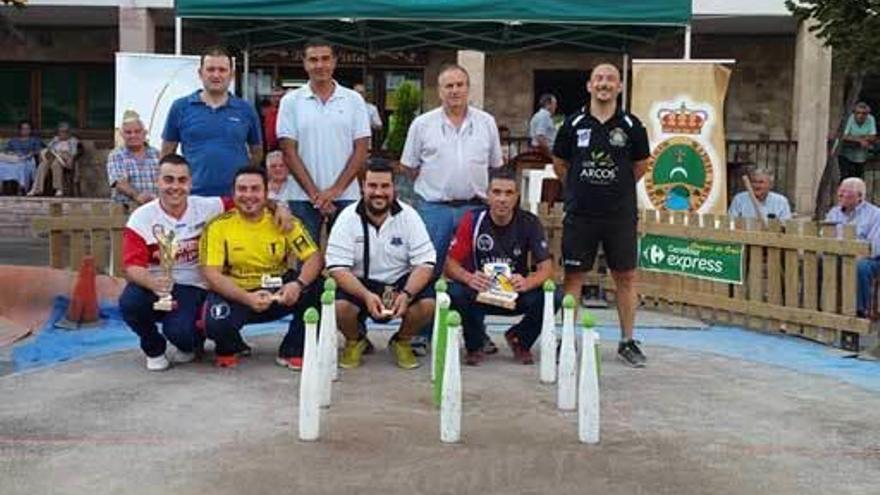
272 284
501 293
167 257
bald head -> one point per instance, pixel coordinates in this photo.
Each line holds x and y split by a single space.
604 84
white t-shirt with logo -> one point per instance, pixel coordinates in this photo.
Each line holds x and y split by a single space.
140 247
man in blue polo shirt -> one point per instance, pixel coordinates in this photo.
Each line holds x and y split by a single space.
219 132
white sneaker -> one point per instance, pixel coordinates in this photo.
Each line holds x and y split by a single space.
180 357
158 363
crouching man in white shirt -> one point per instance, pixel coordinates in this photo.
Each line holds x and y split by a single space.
382 259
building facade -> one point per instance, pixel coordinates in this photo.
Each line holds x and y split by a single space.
58 65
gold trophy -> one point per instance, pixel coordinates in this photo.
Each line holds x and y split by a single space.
501 293
388 297
167 258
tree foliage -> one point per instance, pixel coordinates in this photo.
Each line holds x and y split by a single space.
16 3
408 99
848 27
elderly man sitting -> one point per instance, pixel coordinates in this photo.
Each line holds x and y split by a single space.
852 209
770 204
58 155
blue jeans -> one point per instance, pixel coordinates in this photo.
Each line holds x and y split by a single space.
441 220
868 269
530 304
306 212
224 320
179 325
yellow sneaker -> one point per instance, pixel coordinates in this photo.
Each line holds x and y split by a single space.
351 355
403 353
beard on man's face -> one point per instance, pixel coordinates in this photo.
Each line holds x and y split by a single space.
384 204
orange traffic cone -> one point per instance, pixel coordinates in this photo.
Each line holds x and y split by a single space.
83 309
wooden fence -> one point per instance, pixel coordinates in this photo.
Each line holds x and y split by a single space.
76 230
799 278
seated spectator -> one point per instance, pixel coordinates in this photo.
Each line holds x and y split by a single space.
244 258
25 144
770 204
381 256
58 155
133 170
500 235
281 183
852 209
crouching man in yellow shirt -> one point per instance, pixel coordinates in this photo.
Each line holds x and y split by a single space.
244 258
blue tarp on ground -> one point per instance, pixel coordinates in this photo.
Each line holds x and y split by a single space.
53 345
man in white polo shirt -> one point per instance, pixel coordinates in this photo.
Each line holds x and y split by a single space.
382 259
451 150
324 130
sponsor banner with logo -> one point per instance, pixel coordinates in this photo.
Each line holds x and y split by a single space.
682 107
716 261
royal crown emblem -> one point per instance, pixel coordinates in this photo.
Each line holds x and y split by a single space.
682 120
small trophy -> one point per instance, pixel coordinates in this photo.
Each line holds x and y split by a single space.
272 284
388 297
501 293
167 257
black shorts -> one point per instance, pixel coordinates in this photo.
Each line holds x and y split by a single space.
378 288
581 238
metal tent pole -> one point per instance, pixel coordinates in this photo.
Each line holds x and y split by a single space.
178 35
687 42
245 80
625 74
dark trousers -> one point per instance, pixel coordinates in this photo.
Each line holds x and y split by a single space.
179 325
224 320
850 168
529 304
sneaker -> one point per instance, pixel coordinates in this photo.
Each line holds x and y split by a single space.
489 347
293 363
244 349
419 345
158 363
520 353
352 353
226 361
629 353
403 353
180 357
474 358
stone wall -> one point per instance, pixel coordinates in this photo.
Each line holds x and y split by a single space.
759 99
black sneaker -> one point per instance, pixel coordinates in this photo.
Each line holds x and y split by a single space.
629 353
